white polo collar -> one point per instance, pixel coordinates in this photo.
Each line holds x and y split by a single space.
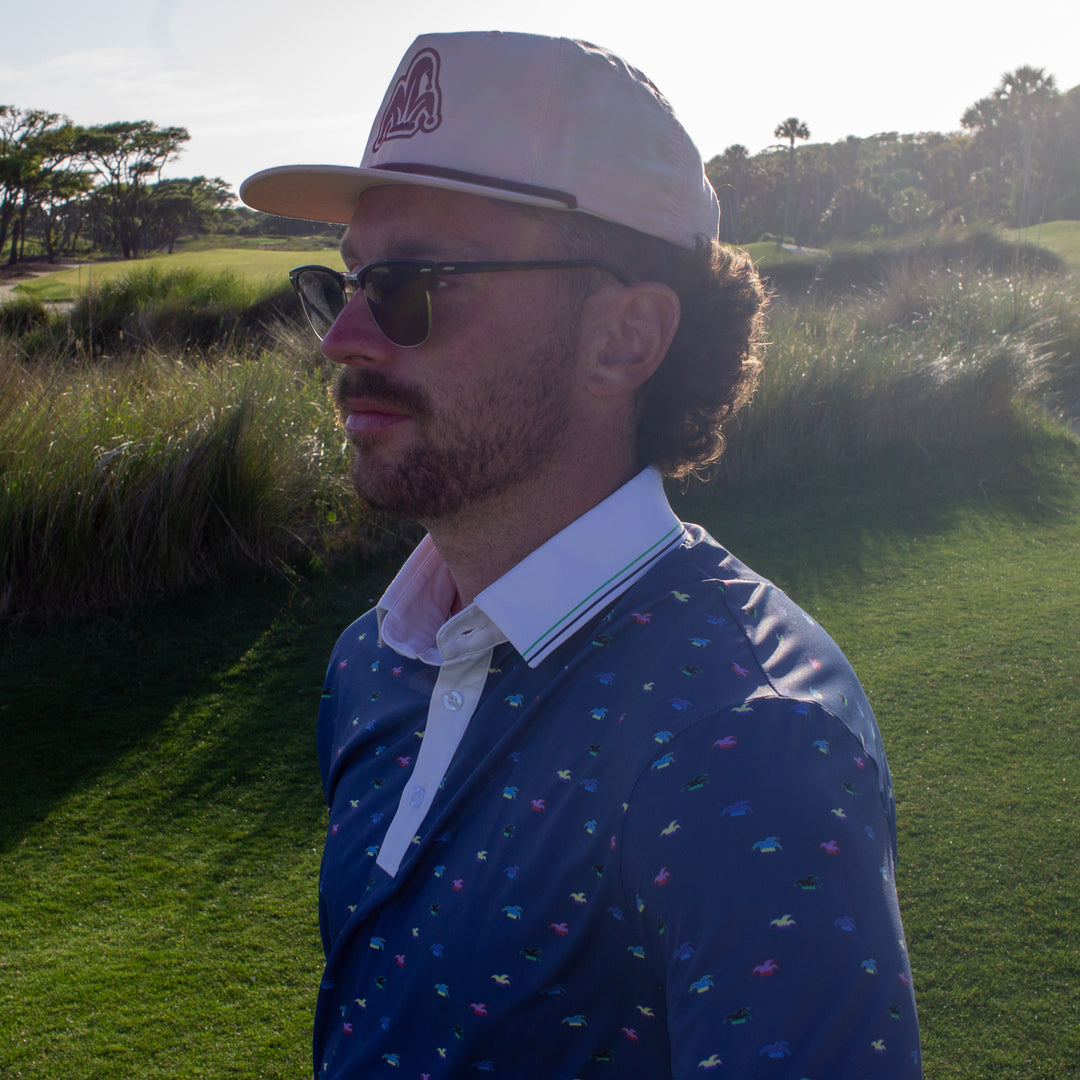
552 592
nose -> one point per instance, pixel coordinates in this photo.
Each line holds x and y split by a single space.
354 339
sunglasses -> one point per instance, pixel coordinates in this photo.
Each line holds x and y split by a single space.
398 291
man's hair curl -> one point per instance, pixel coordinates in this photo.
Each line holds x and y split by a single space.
713 365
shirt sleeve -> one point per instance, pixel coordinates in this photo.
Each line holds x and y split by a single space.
757 856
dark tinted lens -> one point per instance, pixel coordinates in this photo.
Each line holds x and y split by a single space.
399 302
323 298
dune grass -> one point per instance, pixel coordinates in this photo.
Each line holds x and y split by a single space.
930 364
124 481
129 471
259 268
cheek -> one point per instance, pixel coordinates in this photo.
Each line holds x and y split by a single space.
501 349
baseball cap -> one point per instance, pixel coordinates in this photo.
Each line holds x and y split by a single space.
541 121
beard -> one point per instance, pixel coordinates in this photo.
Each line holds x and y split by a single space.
467 451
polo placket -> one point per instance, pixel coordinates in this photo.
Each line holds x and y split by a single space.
466 643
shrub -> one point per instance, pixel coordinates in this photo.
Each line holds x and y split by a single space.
21 313
184 308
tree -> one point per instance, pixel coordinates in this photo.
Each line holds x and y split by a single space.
791 129
183 206
1026 94
985 120
48 179
1007 126
1063 174
58 210
36 154
728 173
15 127
127 156
843 159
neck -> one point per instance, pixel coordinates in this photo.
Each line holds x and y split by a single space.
486 541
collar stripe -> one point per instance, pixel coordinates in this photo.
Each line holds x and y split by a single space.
578 615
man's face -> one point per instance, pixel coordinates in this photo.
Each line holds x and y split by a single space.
481 406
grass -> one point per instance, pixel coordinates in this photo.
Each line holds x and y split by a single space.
129 480
159 865
953 590
768 254
256 266
904 475
254 261
850 268
1061 237
325 243
164 819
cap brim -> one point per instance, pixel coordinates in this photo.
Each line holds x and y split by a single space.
330 192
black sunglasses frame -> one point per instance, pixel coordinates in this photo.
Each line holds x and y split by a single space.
410 273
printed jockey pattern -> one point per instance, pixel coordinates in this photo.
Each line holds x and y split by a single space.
667 851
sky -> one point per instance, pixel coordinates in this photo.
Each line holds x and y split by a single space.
272 82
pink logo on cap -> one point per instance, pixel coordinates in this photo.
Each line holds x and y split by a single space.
416 102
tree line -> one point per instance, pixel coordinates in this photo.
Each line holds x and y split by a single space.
1015 161
66 189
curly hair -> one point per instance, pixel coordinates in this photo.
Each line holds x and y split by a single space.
712 367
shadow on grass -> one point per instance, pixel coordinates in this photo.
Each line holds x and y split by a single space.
237 670
799 530
234 673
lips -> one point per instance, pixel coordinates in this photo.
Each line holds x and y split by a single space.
368 402
363 416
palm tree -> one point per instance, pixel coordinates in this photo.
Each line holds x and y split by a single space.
791 129
1025 93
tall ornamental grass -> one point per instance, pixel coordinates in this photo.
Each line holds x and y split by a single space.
185 308
143 470
145 476
871 264
929 365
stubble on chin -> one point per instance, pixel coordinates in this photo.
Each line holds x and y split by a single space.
456 460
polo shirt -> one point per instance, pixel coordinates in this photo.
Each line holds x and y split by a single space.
538 604
627 815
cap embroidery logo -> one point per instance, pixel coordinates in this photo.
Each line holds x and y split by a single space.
416 103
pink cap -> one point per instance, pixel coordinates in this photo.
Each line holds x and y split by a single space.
536 120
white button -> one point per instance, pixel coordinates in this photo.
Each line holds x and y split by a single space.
453 700
416 797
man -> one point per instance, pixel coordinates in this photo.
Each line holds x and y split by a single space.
602 801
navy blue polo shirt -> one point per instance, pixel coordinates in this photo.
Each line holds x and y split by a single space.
662 845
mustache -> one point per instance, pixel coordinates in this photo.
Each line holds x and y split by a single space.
376 387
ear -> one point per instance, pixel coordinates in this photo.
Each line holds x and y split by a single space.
635 329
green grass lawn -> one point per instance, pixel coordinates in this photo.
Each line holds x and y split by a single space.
956 602
259 263
1061 237
252 264
163 818
767 254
